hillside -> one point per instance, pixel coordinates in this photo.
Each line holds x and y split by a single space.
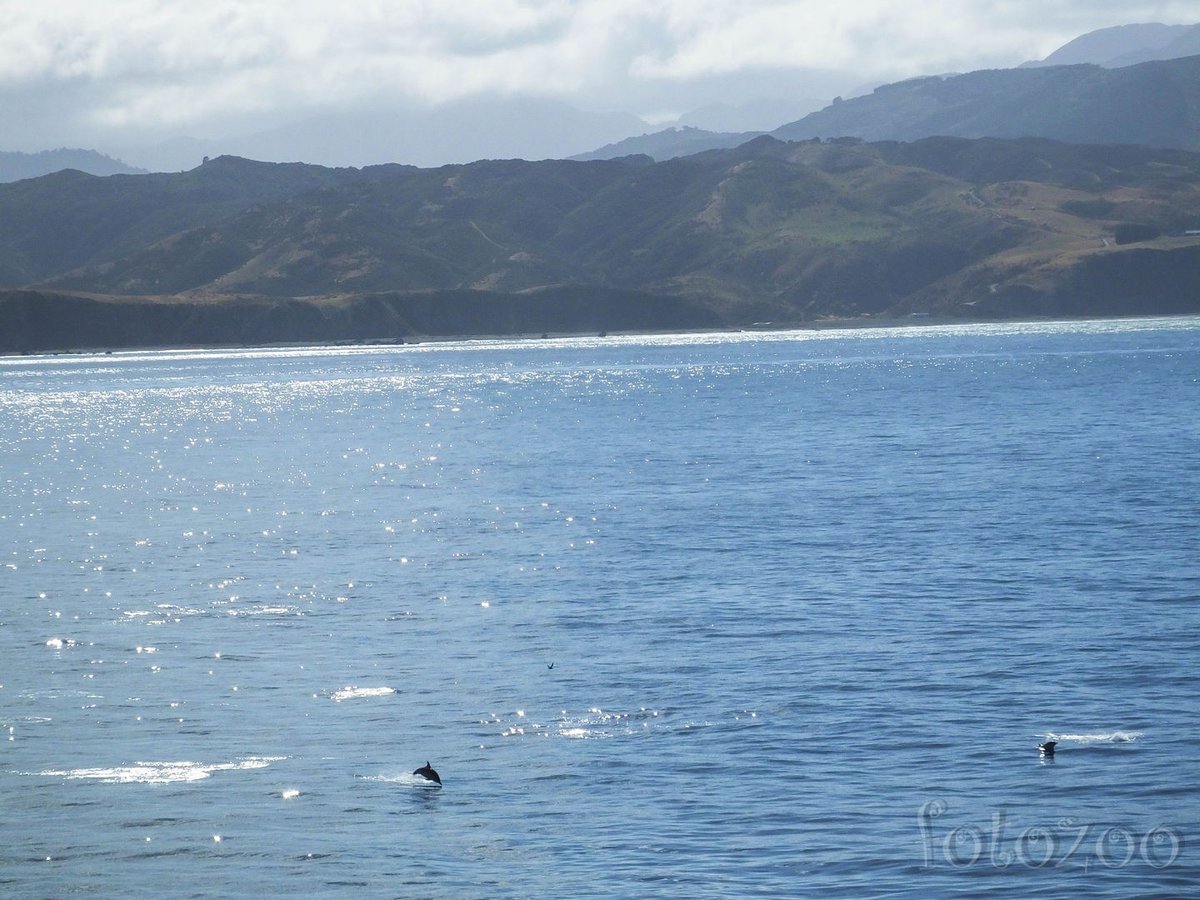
1154 104
1126 45
770 231
669 143
69 219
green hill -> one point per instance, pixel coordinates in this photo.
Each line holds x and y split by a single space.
70 219
770 231
1154 104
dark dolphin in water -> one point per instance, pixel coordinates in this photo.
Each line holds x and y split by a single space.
427 772
1047 749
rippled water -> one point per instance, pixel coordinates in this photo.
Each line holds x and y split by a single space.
704 615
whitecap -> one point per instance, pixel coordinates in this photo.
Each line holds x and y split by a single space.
157 772
1102 737
595 723
265 611
353 692
401 778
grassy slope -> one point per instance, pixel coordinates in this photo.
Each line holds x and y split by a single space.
69 219
767 230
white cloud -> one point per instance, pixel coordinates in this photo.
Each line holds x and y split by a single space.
159 62
879 38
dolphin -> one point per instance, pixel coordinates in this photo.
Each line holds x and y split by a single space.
427 772
1047 749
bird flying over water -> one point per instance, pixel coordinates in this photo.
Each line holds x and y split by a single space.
427 772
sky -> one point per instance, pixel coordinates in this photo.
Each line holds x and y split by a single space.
95 72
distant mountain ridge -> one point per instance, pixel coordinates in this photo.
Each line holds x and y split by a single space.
1152 104
670 143
69 219
16 166
1155 104
769 231
1126 45
460 131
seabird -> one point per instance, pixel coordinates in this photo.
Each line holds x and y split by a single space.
1047 748
549 665
427 772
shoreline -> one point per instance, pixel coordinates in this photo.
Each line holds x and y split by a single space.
863 323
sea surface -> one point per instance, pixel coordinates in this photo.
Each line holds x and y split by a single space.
728 615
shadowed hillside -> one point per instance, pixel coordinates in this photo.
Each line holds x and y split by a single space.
1155 104
770 231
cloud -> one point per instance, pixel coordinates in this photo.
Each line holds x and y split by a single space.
155 64
879 38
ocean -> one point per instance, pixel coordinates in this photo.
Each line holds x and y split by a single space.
707 615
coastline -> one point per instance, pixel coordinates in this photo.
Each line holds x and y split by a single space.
1132 284
862 323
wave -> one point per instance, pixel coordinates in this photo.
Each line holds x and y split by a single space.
594 723
352 692
401 778
265 611
1100 737
158 772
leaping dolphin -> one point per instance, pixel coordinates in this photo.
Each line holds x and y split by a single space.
1047 749
427 772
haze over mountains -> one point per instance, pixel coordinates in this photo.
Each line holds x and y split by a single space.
460 131
15 166
1154 103
501 126
1126 45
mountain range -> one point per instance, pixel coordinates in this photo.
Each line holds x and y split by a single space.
785 232
724 111
1154 104
1046 190
15 166
499 127
1126 45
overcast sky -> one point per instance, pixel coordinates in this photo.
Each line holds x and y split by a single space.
73 70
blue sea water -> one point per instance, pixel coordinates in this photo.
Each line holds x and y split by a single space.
705 615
